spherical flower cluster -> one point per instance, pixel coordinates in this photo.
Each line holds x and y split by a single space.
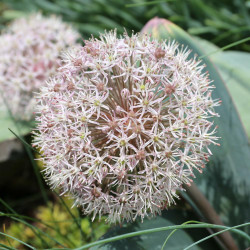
124 124
29 54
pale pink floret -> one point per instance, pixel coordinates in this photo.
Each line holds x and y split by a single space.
124 124
30 51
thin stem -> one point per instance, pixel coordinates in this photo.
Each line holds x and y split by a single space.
187 222
6 247
23 141
25 244
208 237
16 216
146 3
210 214
28 151
160 229
71 214
226 47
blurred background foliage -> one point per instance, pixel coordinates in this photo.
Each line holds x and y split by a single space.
53 226
221 22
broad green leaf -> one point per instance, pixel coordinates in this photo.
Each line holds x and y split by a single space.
6 122
225 181
235 70
234 67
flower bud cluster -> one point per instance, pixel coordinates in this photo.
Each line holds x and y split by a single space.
124 124
29 54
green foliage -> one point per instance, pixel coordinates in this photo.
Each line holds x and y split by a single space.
58 224
225 181
234 68
7 121
179 240
144 237
221 22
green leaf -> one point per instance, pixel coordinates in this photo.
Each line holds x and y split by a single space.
48 6
179 240
234 68
12 14
201 30
225 181
6 122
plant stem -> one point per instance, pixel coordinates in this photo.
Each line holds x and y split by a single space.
210 214
160 229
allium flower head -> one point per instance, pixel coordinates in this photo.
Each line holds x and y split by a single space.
29 54
124 124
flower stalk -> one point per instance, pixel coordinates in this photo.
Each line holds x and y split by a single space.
210 214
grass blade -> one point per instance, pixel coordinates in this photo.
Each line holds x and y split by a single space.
23 141
159 229
146 3
73 217
226 47
187 222
212 235
25 244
